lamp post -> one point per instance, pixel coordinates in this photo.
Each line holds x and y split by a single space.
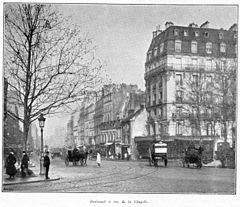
41 120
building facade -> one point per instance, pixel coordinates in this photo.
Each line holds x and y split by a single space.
12 129
98 119
133 127
178 59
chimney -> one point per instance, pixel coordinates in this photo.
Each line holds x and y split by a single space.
154 34
205 25
193 25
168 24
158 30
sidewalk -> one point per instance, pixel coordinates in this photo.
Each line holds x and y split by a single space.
33 179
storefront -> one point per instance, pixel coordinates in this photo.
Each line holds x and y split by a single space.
126 151
110 150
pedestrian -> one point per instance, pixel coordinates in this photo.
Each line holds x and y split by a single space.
46 164
10 165
98 159
24 164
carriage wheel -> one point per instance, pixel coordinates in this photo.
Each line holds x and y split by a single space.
66 162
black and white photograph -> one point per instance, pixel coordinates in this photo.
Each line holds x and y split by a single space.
119 99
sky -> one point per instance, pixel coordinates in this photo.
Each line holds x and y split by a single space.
123 33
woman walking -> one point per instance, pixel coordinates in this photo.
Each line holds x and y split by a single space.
98 159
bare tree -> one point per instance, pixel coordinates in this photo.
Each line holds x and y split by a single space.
210 98
48 61
195 102
225 92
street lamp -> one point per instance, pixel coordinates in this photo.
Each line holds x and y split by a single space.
41 120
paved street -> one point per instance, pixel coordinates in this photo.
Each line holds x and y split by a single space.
132 177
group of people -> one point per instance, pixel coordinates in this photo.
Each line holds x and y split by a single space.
11 168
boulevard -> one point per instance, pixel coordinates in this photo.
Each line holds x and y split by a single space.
117 176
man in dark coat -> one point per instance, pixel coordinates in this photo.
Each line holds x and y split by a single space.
24 164
46 163
10 165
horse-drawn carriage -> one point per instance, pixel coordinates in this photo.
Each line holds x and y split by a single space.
157 152
76 155
192 155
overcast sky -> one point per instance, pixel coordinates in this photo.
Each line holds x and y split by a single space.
122 33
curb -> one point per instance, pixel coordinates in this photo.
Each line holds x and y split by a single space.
33 181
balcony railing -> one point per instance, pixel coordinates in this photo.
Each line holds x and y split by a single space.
174 66
203 116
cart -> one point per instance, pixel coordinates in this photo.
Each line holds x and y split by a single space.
158 152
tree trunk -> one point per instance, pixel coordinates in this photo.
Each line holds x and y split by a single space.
26 125
225 131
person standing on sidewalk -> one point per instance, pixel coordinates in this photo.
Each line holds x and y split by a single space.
24 164
10 165
46 164
98 159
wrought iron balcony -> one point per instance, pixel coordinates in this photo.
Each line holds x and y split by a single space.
174 66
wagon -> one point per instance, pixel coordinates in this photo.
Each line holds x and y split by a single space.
158 152
75 156
192 155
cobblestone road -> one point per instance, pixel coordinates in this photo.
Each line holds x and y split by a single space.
133 177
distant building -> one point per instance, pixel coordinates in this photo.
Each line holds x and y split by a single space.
118 105
70 141
89 124
100 117
133 128
81 125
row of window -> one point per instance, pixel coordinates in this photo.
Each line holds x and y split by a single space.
196 33
188 62
178 82
160 112
180 129
195 79
194 48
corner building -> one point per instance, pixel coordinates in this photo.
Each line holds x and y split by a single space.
174 55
